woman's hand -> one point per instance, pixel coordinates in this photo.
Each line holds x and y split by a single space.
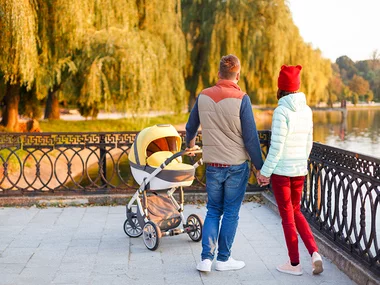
261 179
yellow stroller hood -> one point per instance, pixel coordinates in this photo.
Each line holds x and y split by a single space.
154 139
152 147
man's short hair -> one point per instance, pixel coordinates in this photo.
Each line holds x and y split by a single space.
229 67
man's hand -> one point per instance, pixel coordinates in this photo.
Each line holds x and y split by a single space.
261 179
194 148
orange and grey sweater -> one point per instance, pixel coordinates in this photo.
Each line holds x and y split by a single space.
229 134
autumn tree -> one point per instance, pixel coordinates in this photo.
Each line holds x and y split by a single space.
347 68
368 69
334 88
359 85
346 93
368 97
129 62
262 34
19 54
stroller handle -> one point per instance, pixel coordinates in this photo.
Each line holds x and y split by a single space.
178 154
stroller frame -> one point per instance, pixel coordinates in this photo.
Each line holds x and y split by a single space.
138 222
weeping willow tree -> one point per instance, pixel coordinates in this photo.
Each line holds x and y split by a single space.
63 27
19 54
98 53
129 62
38 39
262 34
139 55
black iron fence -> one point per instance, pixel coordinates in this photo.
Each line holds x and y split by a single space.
342 198
76 163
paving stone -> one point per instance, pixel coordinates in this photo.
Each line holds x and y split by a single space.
11 268
8 278
16 255
76 266
77 245
46 258
40 275
82 277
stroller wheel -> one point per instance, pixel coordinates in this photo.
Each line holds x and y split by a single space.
151 235
196 223
135 230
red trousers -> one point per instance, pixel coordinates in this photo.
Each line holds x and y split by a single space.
288 191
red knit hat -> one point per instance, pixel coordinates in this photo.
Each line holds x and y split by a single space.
289 78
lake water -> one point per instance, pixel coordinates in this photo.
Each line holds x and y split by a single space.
359 132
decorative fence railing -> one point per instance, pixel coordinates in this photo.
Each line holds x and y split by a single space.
76 163
342 200
341 197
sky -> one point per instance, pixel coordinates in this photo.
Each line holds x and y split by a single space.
339 27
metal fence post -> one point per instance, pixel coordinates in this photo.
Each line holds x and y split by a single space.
103 160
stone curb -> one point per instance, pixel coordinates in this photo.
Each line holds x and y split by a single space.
341 259
99 200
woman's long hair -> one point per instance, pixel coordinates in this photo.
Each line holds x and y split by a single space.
282 93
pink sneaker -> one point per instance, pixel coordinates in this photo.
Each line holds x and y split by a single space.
289 269
316 262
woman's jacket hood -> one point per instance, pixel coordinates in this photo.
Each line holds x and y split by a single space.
295 101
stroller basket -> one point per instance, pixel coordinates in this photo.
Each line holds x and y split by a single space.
162 212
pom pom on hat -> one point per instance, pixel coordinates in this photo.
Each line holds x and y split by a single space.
289 78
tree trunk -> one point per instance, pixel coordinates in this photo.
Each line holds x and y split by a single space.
10 111
52 106
191 102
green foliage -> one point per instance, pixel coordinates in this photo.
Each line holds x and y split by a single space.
359 85
347 68
346 93
128 124
127 53
361 73
18 41
335 89
369 96
262 34
129 61
137 55
354 98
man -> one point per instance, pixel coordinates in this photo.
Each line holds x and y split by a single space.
229 140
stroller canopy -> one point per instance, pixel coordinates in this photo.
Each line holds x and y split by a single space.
154 139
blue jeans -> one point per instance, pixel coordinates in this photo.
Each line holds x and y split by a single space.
225 188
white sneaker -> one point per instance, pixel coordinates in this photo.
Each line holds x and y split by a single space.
290 269
316 262
204 265
230 264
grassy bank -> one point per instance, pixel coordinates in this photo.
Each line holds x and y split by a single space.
128 124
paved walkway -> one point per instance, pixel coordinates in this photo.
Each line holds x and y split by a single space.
88 246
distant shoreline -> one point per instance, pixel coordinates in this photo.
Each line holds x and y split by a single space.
348 108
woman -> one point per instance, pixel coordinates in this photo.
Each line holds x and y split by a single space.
286 165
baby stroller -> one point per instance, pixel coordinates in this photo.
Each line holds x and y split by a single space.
156 164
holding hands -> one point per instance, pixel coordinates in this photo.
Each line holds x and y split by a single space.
261 179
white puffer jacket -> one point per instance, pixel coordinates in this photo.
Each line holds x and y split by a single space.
292 137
